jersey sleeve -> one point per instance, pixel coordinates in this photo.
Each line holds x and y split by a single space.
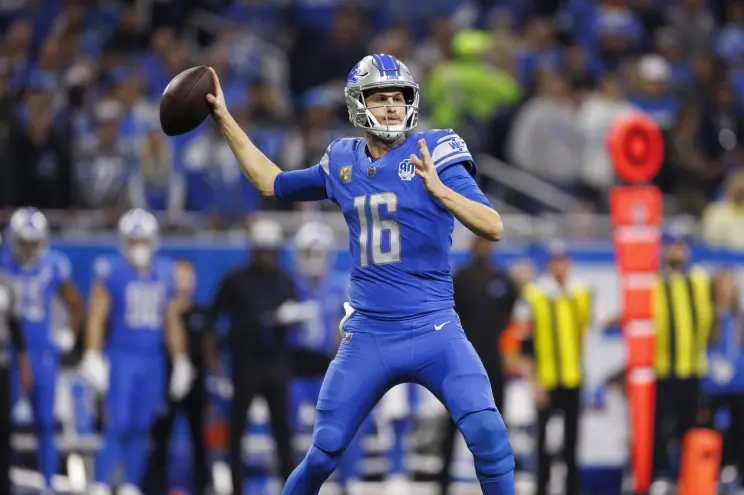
311 184
460 181
447 148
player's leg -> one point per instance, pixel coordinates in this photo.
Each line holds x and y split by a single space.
354 382
349 468
395 410
449 367
117 418
44 368
150 386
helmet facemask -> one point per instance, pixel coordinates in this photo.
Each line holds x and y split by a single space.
361 116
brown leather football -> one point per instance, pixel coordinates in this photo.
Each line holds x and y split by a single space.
184 106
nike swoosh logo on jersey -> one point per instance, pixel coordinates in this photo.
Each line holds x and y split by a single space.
440 326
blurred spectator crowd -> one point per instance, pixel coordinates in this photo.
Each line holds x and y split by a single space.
534 83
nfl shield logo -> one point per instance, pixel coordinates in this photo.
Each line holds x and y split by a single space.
371 172
406 170
347 337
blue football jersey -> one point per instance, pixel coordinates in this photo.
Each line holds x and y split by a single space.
321 334
138 302
399 236
37 285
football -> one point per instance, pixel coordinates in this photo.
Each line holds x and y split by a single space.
184 103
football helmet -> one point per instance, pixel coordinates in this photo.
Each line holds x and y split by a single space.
378 72
314 244
139 235
28 235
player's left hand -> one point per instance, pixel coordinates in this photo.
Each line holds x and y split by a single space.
426 171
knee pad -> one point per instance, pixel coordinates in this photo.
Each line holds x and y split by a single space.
329 437
486 436
320 461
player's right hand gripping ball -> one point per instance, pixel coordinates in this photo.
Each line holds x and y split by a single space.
184 106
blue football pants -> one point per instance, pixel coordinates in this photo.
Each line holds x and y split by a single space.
431 351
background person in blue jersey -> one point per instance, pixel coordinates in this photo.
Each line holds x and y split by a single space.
133 297
315 341
724 385
41 275
400 203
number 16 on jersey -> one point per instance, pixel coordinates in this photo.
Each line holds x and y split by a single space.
379 226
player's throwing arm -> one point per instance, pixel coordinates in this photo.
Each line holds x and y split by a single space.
255 165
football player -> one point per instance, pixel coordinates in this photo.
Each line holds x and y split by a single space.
133 297
41 275
315 341
400 195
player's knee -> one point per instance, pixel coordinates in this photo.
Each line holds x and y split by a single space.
329 437
320 461
486 436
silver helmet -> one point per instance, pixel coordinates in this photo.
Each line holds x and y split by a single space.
379 72
139 235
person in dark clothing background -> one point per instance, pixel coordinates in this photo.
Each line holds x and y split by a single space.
485 296
259 299
10 335
195 320
40 154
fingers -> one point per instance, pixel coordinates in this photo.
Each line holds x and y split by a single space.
215 79
416 161
426 157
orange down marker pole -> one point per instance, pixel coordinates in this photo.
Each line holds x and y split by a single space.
636 149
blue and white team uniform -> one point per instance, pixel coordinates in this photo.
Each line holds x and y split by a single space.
136 353
38 280
402 326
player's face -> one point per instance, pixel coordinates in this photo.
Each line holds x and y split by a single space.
388 107
26 251
139 252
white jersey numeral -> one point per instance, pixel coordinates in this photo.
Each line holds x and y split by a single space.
379 226
144 303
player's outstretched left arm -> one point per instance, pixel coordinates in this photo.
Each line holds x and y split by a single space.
479 218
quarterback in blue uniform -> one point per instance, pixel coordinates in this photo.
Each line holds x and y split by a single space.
41 275
400 201
134 298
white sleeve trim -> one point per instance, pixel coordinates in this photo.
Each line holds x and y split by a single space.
324 163
445 138
458 157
